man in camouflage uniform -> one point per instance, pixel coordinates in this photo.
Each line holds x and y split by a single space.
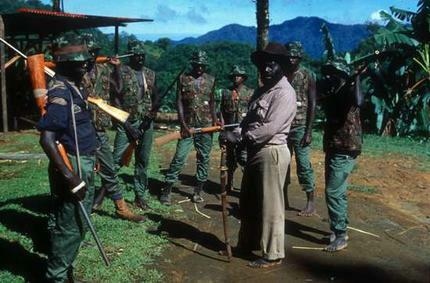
196 108
234 106
341 99
136 93
300 136
97 83
68 121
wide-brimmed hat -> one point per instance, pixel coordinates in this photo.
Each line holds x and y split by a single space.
237 70
274 51
294 49
336 65
199 57
70 47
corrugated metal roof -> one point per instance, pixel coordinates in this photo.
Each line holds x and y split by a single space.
45 22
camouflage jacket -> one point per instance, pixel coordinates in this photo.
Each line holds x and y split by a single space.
137 93
342 131
300 83
97 84
197 99
234 106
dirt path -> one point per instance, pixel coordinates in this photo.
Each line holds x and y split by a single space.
389 198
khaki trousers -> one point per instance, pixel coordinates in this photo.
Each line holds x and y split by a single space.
262 201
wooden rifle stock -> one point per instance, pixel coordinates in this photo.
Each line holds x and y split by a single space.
63 154
116 113
223 182
194 131
128 153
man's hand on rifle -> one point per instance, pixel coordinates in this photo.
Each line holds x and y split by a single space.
114 61
146 122
306 139
133 134
77 187
185 132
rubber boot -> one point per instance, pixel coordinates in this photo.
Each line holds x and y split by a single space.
124 212
165 194
197 196
99 197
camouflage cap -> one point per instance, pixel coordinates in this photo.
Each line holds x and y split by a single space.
294 49
135 47
237 70
199 57
70 47
91 43
336 65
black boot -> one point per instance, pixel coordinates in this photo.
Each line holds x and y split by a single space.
165 194
98 199
197 196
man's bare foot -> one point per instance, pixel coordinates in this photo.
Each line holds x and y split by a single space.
309 209
339 243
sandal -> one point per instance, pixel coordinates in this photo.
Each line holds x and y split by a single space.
264 263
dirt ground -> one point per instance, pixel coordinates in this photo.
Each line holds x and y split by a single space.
389 198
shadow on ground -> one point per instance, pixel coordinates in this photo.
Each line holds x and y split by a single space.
31 265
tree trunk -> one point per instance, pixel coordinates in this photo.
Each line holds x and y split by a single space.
262 24
56 6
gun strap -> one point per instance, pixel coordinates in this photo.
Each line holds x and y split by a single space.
75 130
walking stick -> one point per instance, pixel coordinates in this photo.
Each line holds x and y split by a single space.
223 181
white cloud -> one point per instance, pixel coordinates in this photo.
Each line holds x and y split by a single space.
376 17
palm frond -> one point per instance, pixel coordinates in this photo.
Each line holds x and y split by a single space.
401 14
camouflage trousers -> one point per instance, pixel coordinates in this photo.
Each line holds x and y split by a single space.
141 156
203 145
107 171
337 169
66 224
304 170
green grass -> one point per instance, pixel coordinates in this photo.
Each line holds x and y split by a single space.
132 248
378 146
24 202
363 189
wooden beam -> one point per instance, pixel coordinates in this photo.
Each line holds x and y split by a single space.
3 79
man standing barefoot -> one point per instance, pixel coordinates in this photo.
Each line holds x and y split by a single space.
300 136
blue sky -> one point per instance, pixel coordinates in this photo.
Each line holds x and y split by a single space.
180 18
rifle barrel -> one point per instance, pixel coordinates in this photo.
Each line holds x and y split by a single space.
93 232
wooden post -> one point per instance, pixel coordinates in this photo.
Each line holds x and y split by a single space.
262 23
116 40
3 79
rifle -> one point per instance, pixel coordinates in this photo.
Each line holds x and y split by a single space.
104 59
223 181
128 153
176 135
99 59
39 95
37 68
63 154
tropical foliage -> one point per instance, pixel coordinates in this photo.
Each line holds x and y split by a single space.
396 81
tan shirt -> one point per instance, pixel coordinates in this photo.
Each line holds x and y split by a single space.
270 115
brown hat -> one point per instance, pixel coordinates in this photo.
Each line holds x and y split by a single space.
273 50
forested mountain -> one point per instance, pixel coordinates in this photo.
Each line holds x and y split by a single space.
304 29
